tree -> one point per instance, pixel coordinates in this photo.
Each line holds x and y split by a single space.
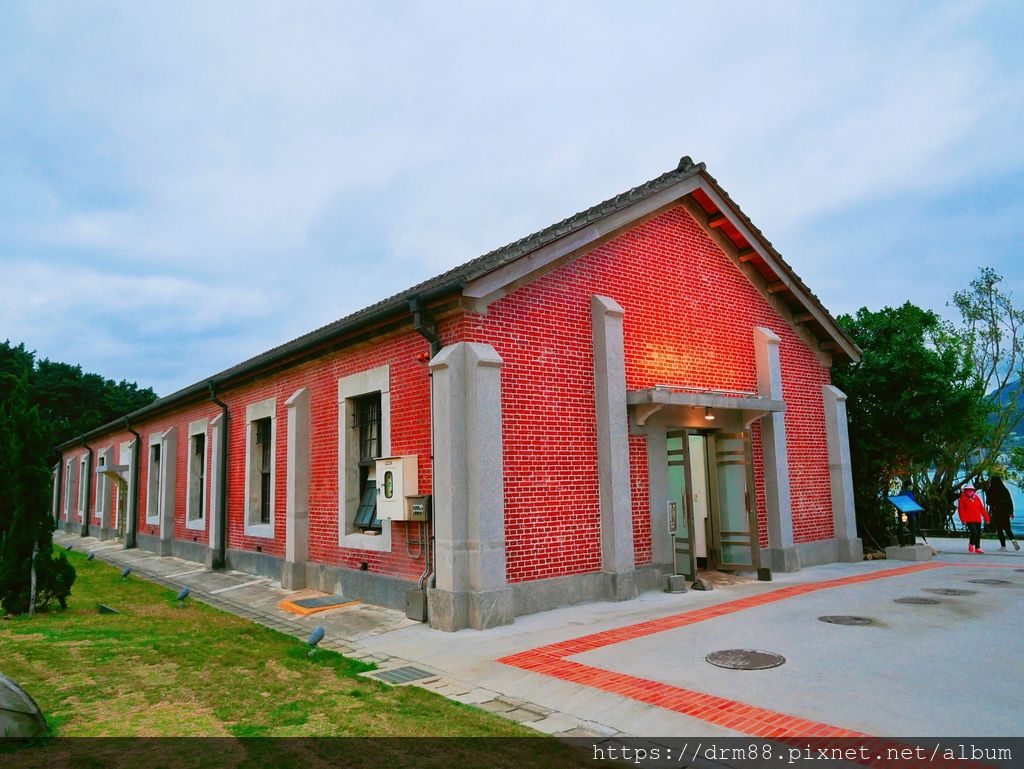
991 335
912 394
26 528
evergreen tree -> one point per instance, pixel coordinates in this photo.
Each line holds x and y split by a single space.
26 527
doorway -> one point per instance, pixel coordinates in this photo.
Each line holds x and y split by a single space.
711 499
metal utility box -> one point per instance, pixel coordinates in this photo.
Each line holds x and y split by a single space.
397 478
416 605
418 508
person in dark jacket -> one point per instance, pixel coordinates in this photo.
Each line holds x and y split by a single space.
1000 507
972 513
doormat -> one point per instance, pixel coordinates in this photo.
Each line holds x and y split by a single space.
313 604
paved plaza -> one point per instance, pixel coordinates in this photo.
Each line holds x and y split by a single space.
638 668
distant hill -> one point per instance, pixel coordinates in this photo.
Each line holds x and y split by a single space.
1003 395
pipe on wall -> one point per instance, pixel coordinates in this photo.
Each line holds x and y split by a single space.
425 326
133 498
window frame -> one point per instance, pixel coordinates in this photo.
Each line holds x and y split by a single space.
254 413
83 487
200 427
154 493
350 389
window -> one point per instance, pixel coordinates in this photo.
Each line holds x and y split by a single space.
69 488
195 503
102 489
263 466
83 486
364 434
366 424
153 480
260 459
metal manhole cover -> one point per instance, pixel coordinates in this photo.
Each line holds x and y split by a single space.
402 675
949 591
990 582
919 601
745 659
845 619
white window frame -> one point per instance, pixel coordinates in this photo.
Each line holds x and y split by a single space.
102 483
350 388
199 427
154 497
83 486
253 412
124 458
69 467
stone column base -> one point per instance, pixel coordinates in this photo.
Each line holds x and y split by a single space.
622 586
850 550
909 553
781 559
165 547
293 575
450 611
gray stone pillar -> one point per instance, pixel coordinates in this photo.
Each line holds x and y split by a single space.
617 555
469 498
216 425
103 500
851 548
169 469
293 572
782 553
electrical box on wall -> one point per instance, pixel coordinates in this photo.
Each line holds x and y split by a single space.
397 478
419 508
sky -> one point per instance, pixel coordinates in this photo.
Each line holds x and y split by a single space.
183 186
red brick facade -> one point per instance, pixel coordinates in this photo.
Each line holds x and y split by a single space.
689 320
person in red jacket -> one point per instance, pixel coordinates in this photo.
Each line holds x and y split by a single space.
972 513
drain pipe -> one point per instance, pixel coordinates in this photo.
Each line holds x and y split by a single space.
88 481
220 546
425 327
133 498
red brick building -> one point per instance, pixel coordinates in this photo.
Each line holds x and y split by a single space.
639 390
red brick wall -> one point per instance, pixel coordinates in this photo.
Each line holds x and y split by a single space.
410 434
689 321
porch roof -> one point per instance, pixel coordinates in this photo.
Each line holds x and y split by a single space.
647 402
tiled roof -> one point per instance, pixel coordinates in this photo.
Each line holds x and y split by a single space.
455 279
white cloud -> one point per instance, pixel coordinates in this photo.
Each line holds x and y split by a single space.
291 164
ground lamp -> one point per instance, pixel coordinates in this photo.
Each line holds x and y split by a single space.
314 639
182 595
125 572
90 556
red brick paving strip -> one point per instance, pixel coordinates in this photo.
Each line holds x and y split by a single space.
731 714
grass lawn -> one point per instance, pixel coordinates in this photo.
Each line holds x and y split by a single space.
157 670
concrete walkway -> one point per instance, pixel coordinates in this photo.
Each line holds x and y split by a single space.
638 668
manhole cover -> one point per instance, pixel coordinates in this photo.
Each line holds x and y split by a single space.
745 659
919 601
845 619
402 675
949 591
990 582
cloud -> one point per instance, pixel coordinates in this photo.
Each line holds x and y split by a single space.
253 170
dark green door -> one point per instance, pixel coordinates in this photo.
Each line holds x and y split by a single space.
679 510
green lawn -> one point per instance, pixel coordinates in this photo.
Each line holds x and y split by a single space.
157 670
